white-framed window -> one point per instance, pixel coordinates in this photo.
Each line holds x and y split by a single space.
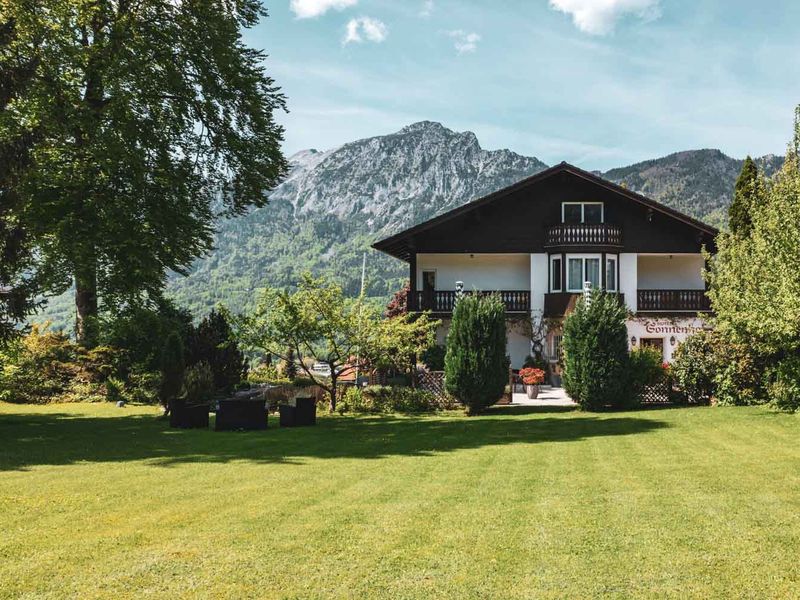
556 285
573 213
611 274
582 268
555 347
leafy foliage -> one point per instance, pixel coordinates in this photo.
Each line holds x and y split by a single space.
784 391
476 365
694 366
199 384
46 366
152 118
645 369
387 399
433 357
596 361
532 375
212 343
398 305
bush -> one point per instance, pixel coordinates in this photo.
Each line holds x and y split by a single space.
694 367
596 361
199 383
646 369
740 373
386 399
172 369
433 357
476 366
46 366
266 373
212 343
537 362
784 391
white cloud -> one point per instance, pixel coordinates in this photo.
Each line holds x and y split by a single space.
306 9
365 28
599 17
427 8
464 41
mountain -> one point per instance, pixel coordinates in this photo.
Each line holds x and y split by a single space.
698 183
334 204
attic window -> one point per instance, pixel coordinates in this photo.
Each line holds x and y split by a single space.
573 213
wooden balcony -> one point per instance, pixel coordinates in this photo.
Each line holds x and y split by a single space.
672 301
558 304
600 234
442 301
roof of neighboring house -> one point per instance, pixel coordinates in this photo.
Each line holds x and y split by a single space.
398 244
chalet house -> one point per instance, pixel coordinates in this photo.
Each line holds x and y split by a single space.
541 241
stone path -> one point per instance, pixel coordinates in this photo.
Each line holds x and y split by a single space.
548 396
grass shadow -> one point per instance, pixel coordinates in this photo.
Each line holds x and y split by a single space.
30 439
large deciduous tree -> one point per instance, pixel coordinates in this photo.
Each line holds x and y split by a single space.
152 117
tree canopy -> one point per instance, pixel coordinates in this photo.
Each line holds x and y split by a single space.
151 118
745 199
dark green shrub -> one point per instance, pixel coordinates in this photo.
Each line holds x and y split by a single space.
143 331
212 343
595 346
398 381
740 373
172 369
694 367
646 369
198 383
784 391
433 357
535 362
476 366
289 366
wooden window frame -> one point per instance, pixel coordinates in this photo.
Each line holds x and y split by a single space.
583 210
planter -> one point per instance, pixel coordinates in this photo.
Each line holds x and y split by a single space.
288 415
248 415
302 414
305 412
188 416
532 391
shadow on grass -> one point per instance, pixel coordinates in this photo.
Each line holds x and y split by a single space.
28 440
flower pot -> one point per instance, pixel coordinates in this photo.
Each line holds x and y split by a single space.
532 391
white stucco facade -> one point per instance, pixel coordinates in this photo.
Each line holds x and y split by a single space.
482 272
531 272
666 333
670 272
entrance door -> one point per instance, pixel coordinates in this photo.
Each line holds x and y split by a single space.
657 343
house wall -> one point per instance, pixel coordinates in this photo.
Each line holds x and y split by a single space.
539 282
671 272
518 344
663 329
628 279
484 272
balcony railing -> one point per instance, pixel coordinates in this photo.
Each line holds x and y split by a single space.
558 304
442 301
584 235
673 301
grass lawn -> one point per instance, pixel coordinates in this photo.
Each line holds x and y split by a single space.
97 501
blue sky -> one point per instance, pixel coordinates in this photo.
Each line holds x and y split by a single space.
600 83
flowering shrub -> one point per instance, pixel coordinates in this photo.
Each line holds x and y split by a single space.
532 376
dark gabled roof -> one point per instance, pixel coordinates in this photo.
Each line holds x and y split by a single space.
398 246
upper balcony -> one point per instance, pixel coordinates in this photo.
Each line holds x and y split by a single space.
584 234
443 301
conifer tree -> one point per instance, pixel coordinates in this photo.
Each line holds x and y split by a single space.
745 198
475 363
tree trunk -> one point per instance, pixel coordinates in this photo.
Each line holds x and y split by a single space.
86 327
333 391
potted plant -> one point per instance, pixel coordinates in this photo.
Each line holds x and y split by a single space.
532 378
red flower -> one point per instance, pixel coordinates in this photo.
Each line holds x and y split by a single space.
532 376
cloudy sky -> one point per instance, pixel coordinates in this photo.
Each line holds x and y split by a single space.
600 83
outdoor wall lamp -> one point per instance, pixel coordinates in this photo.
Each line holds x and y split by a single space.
633 340
672 341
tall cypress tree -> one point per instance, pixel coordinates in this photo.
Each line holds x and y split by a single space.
745 197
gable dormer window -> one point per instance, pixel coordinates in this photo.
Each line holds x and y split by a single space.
574 213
